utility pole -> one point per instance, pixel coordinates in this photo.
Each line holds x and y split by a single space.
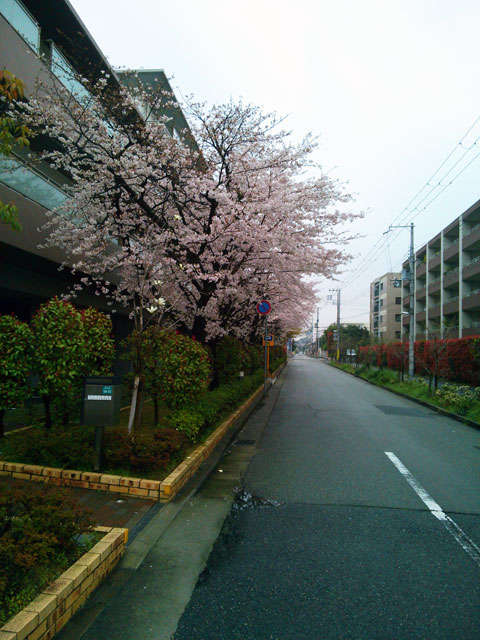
411 310
338 321
316 342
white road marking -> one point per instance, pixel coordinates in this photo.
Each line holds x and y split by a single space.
452 527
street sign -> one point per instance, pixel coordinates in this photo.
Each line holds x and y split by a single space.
264 307
269 341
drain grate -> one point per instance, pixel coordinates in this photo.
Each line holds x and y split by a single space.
401 411
245 442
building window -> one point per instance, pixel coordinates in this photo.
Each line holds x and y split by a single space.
21 21
398 317
30 184
397 335
67 75
398 301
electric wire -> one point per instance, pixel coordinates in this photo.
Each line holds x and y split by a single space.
374 253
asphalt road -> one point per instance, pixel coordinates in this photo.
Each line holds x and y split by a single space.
367 523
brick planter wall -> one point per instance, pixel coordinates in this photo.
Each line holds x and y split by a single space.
53 608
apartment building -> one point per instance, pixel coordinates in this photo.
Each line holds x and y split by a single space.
49 40
386 308
447 281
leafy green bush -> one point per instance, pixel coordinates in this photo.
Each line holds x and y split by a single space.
177 368
74 448
39 530
214 405
229 359
16 355
188 421
99 345
69 345
459 398
145 452
255 352
70 448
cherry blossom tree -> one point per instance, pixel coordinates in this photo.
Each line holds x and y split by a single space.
182 235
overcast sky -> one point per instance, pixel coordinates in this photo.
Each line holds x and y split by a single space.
391 87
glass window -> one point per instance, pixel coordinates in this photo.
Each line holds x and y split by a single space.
398 301
398 317
21 21
30 184
67 75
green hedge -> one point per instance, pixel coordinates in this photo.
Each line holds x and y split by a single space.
40 529
208 410
73 448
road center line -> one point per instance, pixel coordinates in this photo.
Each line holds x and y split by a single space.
435 509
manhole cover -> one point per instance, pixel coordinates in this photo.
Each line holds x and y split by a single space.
245 442
401 411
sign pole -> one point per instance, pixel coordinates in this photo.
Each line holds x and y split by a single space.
263 308
265 363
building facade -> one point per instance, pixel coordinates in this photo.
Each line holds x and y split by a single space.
386 308
447 281
48 40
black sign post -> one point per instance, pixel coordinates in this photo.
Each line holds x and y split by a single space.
263 308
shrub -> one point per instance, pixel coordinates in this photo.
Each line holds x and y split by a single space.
145 452
188 421
71 448
458 397
214 405
69 345
99 345
177 368
229 359
255 351
15 363
39 530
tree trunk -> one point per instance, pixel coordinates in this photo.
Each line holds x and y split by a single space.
155 409
48 417
133 405
139 408
2 428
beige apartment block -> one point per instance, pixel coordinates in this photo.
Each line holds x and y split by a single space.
386 308
447 281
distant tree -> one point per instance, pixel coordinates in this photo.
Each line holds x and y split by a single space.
352 336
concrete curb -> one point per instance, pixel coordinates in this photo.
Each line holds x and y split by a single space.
444 412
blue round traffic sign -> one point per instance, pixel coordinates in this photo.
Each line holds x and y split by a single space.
264 307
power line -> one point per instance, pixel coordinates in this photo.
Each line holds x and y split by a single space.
374 252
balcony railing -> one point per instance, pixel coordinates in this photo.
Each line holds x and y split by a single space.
467 231
450 244
30 184
22 21
471 293
467 264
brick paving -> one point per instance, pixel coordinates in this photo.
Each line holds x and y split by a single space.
108 509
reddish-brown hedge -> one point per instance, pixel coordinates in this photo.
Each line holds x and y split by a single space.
457 360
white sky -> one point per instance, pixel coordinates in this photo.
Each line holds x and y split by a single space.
390 86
